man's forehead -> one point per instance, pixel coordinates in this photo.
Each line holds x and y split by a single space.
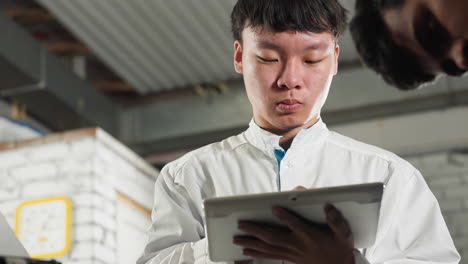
268 38
266 30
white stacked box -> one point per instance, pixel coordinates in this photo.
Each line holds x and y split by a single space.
92 170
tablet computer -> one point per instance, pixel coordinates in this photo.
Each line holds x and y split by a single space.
359 204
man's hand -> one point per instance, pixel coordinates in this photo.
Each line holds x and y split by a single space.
302 242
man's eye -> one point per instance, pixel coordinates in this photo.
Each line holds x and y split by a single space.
430 34
313 61
266 60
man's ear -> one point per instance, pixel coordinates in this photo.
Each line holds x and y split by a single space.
238 56
337 54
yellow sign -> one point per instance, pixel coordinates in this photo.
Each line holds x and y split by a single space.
44 226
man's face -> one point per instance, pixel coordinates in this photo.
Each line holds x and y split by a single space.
287 75
435 30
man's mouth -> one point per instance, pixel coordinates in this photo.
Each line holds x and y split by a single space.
289 105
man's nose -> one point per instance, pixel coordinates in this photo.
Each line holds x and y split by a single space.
459 53
291 76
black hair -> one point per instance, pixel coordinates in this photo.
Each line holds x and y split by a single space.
397 65
315 16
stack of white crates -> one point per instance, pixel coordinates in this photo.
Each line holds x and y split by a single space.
80 197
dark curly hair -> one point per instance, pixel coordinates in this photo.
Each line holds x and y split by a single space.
315 16
397 66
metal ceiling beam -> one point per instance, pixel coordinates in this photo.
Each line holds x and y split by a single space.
405 135
414 134
356 95
186 120
32 76
17 68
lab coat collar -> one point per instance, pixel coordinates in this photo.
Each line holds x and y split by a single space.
268 141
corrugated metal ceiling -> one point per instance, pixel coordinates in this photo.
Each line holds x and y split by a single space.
156 45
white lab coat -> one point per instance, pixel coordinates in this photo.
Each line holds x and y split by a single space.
411 228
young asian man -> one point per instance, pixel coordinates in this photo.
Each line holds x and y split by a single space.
287 53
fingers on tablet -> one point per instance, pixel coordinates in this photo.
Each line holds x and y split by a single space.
337 222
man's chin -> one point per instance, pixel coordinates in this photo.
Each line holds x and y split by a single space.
288 126
294 123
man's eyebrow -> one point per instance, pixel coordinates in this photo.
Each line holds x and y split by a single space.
265 44
268 45
317 46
